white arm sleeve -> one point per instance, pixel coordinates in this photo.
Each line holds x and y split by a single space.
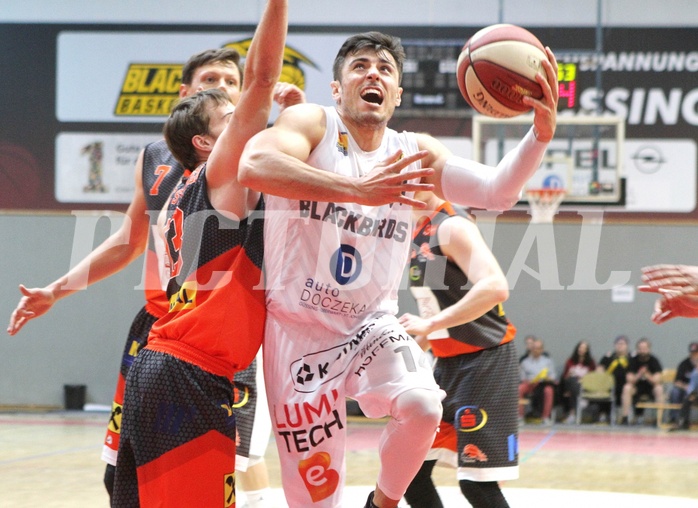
469 183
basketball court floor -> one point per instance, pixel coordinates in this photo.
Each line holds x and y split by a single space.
51 459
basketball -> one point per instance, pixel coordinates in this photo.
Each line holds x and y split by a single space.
497 68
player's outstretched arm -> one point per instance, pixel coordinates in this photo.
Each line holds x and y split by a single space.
111 256
469 183
462 242
262 70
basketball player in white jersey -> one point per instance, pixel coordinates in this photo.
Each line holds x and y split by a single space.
334 266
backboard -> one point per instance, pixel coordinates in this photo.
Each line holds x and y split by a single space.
585 157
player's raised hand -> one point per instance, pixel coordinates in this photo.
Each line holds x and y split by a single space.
545 109
34 303
388 183
286 94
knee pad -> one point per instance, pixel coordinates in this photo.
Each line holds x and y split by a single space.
418 404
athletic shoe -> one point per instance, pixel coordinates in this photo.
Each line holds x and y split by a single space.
369 501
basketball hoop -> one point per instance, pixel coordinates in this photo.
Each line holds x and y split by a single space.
544 203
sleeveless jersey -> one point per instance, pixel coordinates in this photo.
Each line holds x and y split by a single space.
216 296
337 264
438 283
161 174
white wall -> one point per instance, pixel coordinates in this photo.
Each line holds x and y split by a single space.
360 12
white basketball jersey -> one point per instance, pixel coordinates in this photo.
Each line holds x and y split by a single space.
337 264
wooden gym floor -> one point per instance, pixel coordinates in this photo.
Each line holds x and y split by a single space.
51 459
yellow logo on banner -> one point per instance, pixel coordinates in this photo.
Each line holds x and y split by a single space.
291 72
149 89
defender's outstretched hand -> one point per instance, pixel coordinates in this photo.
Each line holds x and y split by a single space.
672 304
286 94
680 279
34 303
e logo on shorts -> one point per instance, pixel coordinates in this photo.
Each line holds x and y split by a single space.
345 264
319 479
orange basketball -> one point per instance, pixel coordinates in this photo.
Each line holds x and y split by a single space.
497 68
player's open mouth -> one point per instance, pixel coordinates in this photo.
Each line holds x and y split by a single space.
372 95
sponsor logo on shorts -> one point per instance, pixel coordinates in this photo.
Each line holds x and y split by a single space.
133 350
315 369
470 418
241 395
115 418
320 480
170 417
229 489
471 454
306 425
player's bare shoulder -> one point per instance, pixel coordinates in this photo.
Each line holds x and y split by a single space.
309 120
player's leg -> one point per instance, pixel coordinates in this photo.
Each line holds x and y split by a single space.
483 494
254 430
391 375
179 423
307 405
421 493
485 419
137 339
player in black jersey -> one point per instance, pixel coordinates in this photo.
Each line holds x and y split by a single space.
459 288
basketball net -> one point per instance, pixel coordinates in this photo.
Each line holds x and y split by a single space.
544 204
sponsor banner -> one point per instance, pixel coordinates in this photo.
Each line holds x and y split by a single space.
140 78
123 76
97 167
661 175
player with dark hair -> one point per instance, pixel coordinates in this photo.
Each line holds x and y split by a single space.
178 437
333 269
157 172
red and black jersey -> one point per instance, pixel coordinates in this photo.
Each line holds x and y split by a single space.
161 174
429 268
216 308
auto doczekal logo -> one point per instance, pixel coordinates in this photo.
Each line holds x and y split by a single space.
149 89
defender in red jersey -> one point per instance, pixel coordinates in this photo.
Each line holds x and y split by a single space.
177 443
